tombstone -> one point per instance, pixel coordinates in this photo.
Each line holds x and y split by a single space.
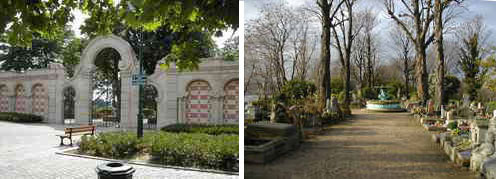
466 100
334 104
430 107
450 116
353 97
482 153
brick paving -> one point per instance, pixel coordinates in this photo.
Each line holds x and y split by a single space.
29 151
371 145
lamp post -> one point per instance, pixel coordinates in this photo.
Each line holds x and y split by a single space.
140 77
140 90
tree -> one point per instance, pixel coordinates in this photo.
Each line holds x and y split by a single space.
21 22
364 50
41 53
439 8
230 50
343 42
183 17
302 45
403 47
420 12
270 34
327 15
471 53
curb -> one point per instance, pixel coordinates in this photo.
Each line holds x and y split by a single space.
63 152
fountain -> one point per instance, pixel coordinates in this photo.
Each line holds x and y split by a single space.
384 104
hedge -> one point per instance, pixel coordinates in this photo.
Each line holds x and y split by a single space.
180 149
111 145
20 117
202 128
196 150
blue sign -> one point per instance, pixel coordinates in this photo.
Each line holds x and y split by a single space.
137 79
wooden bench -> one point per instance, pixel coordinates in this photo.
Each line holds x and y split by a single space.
74 131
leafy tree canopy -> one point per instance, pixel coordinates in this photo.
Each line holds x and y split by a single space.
19 20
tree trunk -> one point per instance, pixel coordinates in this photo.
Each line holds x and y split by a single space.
406 72
325 55
440 51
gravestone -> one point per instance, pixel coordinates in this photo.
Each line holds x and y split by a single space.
483 152
466 100
430 107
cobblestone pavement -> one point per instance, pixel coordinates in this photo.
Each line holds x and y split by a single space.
371 145
28 151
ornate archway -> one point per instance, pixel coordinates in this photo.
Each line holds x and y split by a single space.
82 79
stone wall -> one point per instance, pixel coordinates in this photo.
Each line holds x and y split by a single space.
206 95
178 103
33 91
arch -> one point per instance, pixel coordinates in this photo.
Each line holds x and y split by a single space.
95 46
20 99
160 91
231 101
4 100
39 99
82 79
198 101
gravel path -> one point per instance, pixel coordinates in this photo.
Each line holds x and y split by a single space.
371 145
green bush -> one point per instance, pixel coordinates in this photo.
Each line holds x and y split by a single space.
369 93
196 150
491 106
180 149
453 125
113 145
337 85
202 128
20 117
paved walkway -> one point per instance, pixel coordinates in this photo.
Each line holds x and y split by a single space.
371 145
28 151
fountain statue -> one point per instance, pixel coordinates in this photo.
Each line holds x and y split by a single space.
383 95
384 104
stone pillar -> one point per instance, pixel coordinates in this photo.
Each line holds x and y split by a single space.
129 101
84 95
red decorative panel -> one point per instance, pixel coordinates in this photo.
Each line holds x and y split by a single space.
40 100
231 101
197 104
4 100
20 99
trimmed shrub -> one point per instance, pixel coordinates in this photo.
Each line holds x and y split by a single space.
202 128
196 150
20 117
180 149
112 145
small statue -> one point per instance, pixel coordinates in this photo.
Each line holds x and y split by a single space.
383 96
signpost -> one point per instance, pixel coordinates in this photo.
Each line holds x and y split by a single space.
138 79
